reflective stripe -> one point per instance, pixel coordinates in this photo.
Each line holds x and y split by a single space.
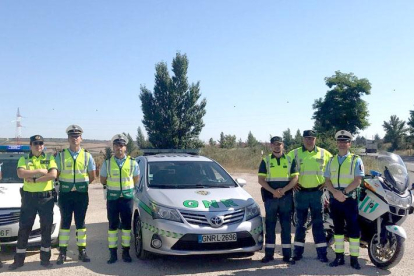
113 239
270 245
297 160
311 173
354 247
278 179
20 251
286 245
123 179
126 238
300 244
45 249
64 235
322 244
112 188
81 237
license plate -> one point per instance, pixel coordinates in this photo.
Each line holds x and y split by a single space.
211 238
5 232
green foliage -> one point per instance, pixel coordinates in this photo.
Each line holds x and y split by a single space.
142 142
251 140
410 123
227 141
287 138
327 141
342 107
173 118
360 141
212 142
130 146
108 153
394 132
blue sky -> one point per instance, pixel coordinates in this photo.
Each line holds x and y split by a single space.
261 64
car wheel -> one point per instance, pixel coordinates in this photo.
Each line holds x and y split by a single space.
138 240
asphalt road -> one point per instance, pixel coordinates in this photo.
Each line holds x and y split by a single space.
196 265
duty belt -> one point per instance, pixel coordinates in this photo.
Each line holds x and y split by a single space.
302 189
45 194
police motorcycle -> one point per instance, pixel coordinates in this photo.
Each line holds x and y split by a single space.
385 200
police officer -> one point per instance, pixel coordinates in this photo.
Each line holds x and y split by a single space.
343 174
119 174
76 169
277 176
310 161
38 171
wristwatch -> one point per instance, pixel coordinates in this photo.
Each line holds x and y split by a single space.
344 192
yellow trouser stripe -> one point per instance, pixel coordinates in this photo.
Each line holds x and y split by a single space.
112 239
354 247
126 238
81 237
64 237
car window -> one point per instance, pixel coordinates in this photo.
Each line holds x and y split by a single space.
9 169
184 174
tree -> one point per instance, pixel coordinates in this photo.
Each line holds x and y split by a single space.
287 139
410 123
227 141
108 153
394 132
298 138
342 107
251 140
130 146
212 142
142 142
360 141
173 118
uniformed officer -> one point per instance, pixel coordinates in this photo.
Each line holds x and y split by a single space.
38 171
76 169
277 176
310 161
119 174
343 175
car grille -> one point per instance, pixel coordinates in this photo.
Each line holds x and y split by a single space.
9 216
199 218
189 242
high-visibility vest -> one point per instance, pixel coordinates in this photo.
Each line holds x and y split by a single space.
120 181
342 174
74 172
277 172
311 166
44 161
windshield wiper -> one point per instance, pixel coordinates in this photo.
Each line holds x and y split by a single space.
165 186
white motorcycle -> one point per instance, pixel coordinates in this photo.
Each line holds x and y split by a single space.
385 201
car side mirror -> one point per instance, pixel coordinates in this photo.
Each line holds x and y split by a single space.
241 182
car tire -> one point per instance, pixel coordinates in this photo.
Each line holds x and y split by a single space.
138 240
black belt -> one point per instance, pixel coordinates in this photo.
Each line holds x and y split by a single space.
45 194
302 189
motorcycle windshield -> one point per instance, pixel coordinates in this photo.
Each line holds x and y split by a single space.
393 170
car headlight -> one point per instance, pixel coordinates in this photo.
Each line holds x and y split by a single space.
396 200
160 212
252 211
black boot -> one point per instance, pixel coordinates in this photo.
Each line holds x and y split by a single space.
125 255
267 258
113 256
62 256
82 255
354 263
289 260
18 261
339 260
323 258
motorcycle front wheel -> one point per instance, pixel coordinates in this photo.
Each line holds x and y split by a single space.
386 255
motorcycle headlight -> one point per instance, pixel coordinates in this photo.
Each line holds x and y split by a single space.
252 211
396 200
160 212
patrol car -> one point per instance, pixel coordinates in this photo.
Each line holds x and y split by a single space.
10 200
187 204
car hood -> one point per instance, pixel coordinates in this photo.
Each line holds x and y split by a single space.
219 199
10 195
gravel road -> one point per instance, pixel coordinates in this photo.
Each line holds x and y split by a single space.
196 265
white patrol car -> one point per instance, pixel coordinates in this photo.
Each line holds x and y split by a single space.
10 200
186 204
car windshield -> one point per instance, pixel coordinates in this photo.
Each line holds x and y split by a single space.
9 168
188 175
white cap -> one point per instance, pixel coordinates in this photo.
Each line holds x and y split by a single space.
119 138
343 135
74 129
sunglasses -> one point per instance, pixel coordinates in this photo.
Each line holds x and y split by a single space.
37 143
120 144
74 136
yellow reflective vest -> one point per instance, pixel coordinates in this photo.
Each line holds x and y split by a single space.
120 180
311 165
31 162
74 172
276 172
342 174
